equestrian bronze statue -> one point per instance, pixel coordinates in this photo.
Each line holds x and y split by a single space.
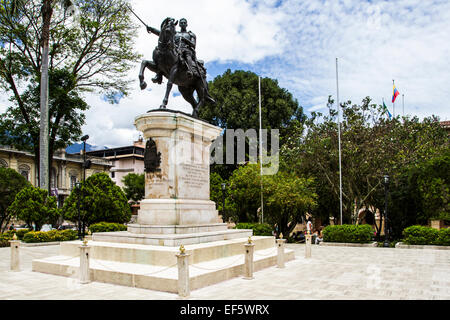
175 59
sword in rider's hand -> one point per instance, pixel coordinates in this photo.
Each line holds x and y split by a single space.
137 17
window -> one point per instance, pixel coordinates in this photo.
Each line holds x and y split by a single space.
53 181
73 177
24 170
73 180
3 164
113 174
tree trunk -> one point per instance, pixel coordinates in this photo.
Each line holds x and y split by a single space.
44 178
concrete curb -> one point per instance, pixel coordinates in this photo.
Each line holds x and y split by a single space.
400 245
342 244
39 244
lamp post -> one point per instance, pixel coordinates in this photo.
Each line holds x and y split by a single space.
224 185
386 227
84 138
86 165
77 188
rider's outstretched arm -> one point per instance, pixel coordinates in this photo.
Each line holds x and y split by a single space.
153 30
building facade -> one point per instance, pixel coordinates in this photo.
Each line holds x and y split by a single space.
66 169
124 160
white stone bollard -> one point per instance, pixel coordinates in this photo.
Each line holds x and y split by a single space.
15 254
248 267
84 263
308 245
280 256
183 273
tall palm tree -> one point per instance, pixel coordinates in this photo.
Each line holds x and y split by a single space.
47 11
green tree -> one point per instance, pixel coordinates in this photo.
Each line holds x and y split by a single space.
287 198
245 193
134 186
11 182
34 205
237 107
99 199
216 195
371 145
434 187
93 51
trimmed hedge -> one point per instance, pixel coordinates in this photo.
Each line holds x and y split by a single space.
50 236
348 233
259 229
420 235
8 235
107 227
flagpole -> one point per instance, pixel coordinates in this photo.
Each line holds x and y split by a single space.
403 104
339 141
260 150
393 102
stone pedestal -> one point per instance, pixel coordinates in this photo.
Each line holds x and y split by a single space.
15 255
308 246
248 266
177 192
183 274
84 264
280 252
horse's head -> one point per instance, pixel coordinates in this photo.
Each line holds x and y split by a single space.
168 26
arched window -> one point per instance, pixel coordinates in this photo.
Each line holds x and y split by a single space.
3 164
24 170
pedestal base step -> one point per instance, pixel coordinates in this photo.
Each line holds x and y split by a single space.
160 278
171 240
175 229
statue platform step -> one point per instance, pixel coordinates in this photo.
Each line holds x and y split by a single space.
162 273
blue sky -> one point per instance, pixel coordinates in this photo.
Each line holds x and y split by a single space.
297 43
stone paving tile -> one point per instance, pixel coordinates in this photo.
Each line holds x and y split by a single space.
347 273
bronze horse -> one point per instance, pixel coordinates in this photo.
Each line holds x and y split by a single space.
167 61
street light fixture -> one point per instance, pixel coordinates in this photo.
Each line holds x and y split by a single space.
224 186
386 226
84 138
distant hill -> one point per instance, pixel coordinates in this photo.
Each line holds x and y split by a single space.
77 147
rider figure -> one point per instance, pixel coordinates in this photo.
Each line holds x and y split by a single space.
185 41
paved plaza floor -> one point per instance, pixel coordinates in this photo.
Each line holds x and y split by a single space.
333 273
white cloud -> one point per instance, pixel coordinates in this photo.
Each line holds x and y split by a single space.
375 42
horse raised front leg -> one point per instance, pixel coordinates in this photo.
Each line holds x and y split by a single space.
142 83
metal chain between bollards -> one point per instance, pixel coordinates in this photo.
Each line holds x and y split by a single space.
265 255
144 274
25 249
222 267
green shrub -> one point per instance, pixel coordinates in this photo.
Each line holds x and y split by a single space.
4 239
20 233
50 236
443 238
259 229
107 227
348 233
420 235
